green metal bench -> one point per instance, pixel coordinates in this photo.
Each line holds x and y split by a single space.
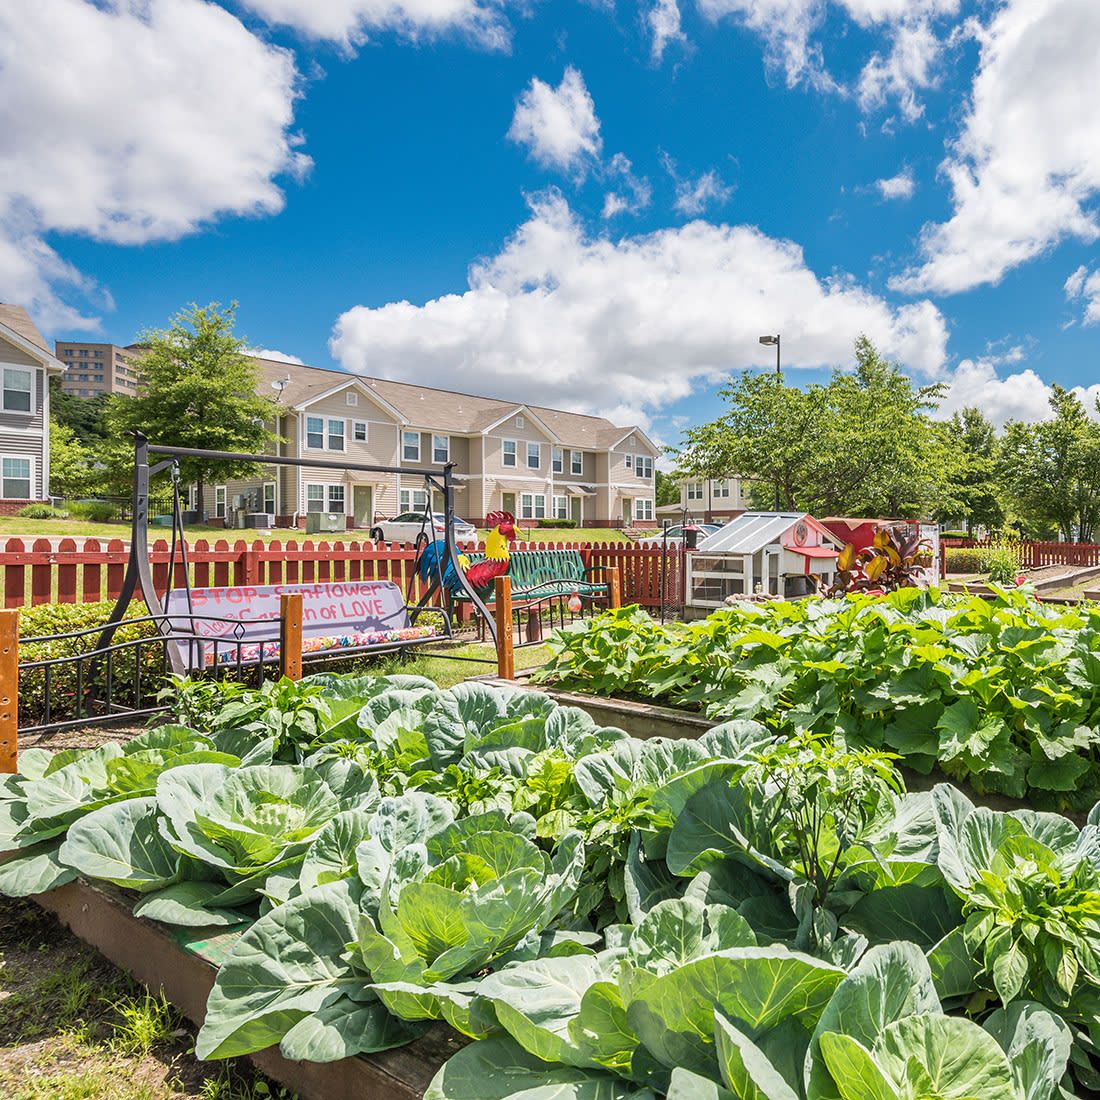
543 574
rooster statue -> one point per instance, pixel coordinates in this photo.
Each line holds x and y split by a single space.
480 575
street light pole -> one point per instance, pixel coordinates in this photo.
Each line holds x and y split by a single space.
769 341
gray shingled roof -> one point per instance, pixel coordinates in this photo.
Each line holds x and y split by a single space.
443 410
18 320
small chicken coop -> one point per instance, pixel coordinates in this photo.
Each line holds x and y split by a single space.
761 553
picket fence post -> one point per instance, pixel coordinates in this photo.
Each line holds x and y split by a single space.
506 654
614 589
9 691
290 635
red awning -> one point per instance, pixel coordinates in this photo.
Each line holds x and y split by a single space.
813 551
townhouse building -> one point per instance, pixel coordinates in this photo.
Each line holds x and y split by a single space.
535 462
714 500
26 366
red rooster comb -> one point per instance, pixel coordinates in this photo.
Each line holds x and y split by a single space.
497 519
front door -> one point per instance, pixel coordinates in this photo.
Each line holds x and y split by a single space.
508 503
575 506
628 511
363 504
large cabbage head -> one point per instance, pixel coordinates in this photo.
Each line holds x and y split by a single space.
454 903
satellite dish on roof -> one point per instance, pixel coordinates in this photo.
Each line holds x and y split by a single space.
280 384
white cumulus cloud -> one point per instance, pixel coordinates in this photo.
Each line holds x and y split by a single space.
1021 395
900 186
663 20
1026 167
350 22
272 353
128 122
1084 286
565 317
694 196
558 125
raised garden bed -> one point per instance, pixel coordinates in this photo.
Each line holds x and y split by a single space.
182 964
348 862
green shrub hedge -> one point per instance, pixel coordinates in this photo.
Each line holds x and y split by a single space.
54 619
42 511
557 523
964 559
95 511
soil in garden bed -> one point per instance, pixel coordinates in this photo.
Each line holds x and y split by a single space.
82 737
74 1027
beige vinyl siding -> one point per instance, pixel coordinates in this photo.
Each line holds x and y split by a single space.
588 464
22 434
529 433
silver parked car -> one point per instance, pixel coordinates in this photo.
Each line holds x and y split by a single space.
676 535
416 527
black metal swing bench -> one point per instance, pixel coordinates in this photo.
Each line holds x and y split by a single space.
198 635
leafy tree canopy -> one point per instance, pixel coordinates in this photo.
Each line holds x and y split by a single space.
861 444
1050 470
197 388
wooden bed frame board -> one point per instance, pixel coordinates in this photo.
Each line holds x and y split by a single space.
179 964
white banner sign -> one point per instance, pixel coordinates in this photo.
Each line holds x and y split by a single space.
251 612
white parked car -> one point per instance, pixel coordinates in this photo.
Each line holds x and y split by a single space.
416 527
676 535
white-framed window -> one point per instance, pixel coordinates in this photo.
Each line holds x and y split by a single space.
508 452
414 500
315 498
557 460
359 431
561 507
315 433
18 478
270 501
643 466
220 492
532 505
643 508
352 398
576 462
720 488
441 448
629 461
18 390
520 422
695 490
534 456
336 429
336 498
191 498
410 446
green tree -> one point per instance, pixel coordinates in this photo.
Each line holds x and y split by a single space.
977 485
74 471
86 416
666 489
861 444
196 388
1051 469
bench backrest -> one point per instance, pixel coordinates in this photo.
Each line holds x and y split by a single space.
530 568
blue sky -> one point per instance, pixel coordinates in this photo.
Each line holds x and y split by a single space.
598 205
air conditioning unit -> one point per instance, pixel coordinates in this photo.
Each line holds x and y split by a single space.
259 520
325 522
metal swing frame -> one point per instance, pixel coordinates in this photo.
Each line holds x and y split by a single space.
138 577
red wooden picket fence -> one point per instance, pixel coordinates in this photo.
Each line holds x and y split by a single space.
93 570
1036 554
